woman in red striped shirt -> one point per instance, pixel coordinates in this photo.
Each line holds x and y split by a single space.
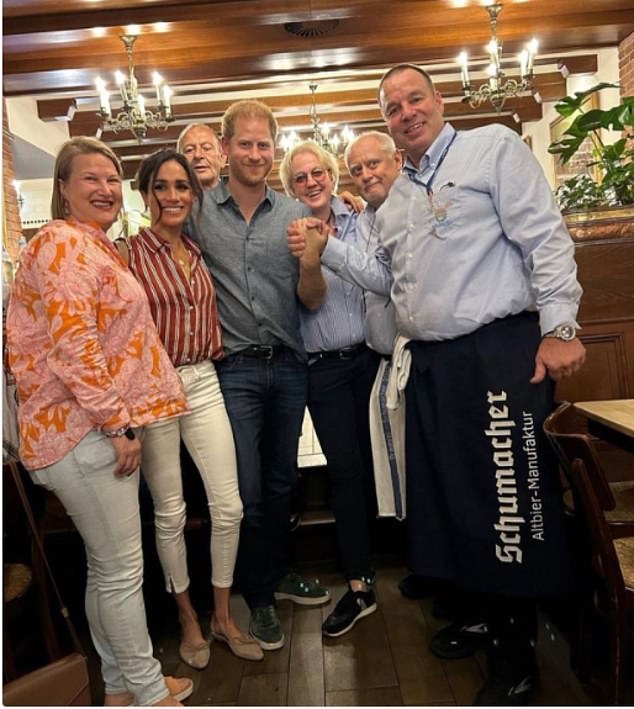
182 299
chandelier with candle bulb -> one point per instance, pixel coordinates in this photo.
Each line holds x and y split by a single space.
498 88
327 139
134 115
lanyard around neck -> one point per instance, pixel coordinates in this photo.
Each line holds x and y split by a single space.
428 185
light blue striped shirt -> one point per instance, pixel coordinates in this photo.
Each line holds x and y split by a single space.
365 265
489 243
338 322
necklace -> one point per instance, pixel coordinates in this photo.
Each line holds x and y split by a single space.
184 263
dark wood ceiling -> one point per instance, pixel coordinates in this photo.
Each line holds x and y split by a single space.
212 52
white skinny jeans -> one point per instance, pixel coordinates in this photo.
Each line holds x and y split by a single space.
207 434
105 510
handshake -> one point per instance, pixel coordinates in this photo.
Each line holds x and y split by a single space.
307 238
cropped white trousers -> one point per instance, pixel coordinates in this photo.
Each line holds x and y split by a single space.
207 434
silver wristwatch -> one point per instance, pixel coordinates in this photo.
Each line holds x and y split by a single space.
565 332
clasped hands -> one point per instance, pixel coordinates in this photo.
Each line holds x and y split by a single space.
307 238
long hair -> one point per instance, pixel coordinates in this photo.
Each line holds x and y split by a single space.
82 145
148 169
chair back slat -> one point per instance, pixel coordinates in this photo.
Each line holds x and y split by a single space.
581 463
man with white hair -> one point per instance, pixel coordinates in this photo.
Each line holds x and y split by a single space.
201 146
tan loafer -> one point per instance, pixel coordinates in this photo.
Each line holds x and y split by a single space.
196 656
244 648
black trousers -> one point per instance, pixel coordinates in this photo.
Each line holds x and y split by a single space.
338 401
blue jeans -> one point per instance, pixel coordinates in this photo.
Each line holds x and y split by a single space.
265 400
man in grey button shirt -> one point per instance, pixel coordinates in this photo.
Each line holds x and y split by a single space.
241 229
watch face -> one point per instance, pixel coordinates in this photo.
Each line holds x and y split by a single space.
565 332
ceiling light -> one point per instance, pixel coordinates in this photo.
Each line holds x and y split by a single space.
327 139
497 88
134 115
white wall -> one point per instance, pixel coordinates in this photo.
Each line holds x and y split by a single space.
539 131
23 121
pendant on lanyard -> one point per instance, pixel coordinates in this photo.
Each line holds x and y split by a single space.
439 211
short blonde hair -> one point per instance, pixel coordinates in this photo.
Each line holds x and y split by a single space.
328 162
247 108
83 145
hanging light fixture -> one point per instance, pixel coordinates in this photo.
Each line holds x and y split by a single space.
329 140
134 115
498 88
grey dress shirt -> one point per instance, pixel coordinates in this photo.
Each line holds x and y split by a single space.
253 270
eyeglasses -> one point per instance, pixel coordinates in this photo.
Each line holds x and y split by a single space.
317 173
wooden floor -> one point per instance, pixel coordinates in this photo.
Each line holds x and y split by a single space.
383 661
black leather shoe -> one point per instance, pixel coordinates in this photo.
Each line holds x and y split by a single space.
458 640
512 678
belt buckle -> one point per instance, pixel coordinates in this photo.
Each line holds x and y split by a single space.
267 350
349 352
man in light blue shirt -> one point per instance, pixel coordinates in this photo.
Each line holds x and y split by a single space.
484 284
341 372
374 162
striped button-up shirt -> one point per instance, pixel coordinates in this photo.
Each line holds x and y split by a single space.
339 321
183 309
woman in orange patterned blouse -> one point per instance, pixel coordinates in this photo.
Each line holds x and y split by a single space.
91 372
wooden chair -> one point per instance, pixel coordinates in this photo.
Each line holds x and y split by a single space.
611 539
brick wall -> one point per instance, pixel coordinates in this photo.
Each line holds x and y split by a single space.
11 211
626 66
626 69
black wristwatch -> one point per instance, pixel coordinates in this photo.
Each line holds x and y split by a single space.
125 431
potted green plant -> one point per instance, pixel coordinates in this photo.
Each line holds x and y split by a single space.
610 183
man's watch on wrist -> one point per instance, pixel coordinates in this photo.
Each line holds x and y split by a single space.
565 332
125 431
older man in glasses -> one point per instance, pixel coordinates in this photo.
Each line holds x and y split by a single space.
341 374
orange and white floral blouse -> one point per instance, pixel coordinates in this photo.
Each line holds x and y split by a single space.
82 344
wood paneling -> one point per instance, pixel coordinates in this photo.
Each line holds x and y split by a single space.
606 273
